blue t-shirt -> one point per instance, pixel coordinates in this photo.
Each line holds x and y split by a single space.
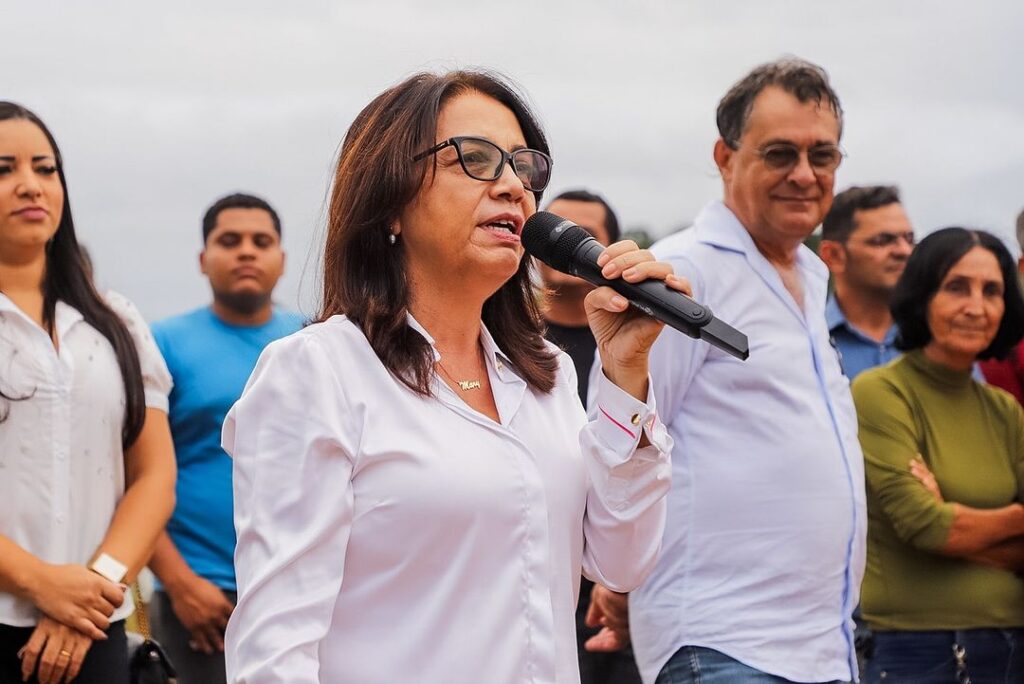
210 362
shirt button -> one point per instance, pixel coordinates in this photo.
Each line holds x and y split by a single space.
650 423
635 420
60 455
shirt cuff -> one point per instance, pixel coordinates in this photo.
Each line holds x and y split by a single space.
156 399
621 420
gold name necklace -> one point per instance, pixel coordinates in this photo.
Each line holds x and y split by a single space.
464 385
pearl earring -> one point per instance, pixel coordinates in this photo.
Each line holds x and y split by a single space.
392 238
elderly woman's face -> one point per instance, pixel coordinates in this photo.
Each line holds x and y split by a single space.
965 312
457 229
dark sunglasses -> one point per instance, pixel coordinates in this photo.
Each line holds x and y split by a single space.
889 239
483 160
783 157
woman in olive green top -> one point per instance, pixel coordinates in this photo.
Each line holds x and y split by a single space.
944 457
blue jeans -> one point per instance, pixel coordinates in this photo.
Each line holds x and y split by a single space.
980 656
699 665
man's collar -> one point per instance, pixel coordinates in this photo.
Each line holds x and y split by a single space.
834 315
835 318
718 226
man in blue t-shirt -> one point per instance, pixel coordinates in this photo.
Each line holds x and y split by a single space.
211 352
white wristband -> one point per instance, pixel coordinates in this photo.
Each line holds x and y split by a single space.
109 567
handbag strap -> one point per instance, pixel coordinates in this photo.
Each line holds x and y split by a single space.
141 616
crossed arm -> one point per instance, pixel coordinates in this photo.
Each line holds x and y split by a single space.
992 537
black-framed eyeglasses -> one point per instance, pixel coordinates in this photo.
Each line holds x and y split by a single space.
483 160
889 239
784 157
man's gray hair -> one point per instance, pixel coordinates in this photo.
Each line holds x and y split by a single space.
801 79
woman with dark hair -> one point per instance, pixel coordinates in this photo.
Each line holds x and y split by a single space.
945 473
86 462
416 484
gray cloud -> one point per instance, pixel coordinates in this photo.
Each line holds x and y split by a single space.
160 111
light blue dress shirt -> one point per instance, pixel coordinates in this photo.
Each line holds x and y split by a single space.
858 351
763 552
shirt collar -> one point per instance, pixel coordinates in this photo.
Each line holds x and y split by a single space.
718 226
492 352
834 316
64 315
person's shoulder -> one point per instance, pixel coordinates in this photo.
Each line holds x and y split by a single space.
878 383
129 314
336 334
320 353
1002 401
679 242
121 305
288 320
182 323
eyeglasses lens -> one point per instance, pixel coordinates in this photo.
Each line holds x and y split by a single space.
532 168
823 158
483 161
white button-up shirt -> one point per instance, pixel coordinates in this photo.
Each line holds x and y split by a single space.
388 537
61 461
764 545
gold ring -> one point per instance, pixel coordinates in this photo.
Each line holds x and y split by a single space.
65 652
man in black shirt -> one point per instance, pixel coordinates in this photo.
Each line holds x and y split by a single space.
605 657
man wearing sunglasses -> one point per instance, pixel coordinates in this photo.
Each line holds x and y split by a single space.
866 240
763 551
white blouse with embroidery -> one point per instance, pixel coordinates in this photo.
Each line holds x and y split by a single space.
388 537
61 461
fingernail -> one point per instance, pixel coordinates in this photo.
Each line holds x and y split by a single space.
618 301
603 259
629 273
609 270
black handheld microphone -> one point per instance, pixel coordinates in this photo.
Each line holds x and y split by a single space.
566 247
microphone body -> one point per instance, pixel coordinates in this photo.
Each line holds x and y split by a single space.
568 248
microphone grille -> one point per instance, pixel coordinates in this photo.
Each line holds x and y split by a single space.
552 239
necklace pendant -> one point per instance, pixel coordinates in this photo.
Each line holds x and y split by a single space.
466 385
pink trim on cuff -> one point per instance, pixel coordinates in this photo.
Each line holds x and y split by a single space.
620 425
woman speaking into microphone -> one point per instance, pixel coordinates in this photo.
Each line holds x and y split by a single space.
417 487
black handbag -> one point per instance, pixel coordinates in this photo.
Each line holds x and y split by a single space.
147 662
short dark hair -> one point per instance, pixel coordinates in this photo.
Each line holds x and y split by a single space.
238 200
928 265
801 79
840 221
364 275
611 221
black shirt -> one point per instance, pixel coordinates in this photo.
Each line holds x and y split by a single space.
579 343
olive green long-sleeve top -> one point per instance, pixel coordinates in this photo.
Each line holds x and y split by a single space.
971 436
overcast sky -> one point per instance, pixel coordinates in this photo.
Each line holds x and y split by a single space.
159 111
